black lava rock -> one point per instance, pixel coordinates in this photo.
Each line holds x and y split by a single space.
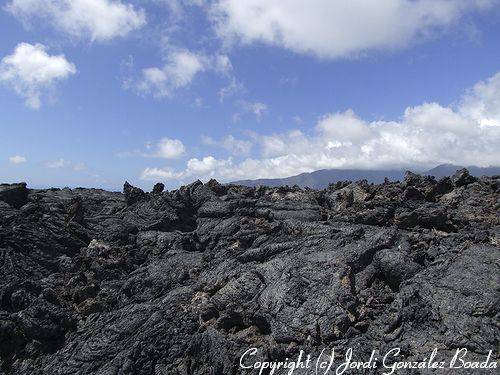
462 178
158 188
183 282
15 195
132 194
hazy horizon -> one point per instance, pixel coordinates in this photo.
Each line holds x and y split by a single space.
148 186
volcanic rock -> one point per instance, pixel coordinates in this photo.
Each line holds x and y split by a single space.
185 281
15 194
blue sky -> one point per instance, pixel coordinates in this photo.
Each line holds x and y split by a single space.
96 92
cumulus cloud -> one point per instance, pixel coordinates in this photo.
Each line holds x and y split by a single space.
156 174
482 102
165 148
206 167
425 135
343 127
337 28
97 20
169 148
179 71
17 159
30 70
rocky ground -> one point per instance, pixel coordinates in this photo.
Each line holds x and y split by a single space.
183 282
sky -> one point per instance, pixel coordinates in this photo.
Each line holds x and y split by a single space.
96 92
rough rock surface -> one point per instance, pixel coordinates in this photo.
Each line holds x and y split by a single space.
183 282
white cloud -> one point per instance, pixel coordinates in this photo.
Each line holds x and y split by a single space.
337 28
482 103
230 143
165 148
258 109
98 20
17 159
180 70
169 148
426 135
155 174
343 127
30 70
56 164
206 168
273 145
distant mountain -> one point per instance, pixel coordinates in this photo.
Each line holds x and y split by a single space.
449 169
322 178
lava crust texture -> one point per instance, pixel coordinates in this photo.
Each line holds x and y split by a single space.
184 282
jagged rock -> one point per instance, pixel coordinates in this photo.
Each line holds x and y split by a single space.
158 188
132 194
412 193
413 179
443 186
218 188
462 178
183 282
14 194
76 211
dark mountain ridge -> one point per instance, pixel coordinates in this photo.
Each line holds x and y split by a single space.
322 178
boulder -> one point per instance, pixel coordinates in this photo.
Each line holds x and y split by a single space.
15 195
